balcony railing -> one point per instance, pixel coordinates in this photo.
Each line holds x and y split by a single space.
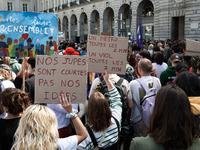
73 3
51 10
82 1
64 6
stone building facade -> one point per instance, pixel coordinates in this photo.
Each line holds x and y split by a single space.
18 5
161 19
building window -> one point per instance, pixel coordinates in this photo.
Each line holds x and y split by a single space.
10 8
25 7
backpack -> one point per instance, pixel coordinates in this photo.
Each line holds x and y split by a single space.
148 101
94 141
102 87
1 80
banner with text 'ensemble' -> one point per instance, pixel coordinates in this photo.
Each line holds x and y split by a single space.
25 34
56 75
107 52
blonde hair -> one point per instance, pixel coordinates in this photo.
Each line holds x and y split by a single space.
37 129
6 60
5 74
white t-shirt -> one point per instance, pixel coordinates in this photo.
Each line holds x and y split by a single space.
160 68
6 84
68 143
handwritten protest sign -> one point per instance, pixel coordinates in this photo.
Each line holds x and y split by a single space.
107 52
192 48
27 34
60 74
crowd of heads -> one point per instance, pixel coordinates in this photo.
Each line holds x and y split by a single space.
72 48
174 123
172 117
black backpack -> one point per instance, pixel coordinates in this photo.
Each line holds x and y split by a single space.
1 80
102 87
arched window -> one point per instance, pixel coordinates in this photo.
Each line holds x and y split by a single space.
148 11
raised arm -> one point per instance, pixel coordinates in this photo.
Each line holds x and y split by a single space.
107 80
115 101
81 132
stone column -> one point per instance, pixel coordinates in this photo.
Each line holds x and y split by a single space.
101 24
69 29
89 24
78 26
116 27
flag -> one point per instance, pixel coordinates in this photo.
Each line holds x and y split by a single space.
132 39
139 39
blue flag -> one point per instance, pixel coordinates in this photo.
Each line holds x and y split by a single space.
139 40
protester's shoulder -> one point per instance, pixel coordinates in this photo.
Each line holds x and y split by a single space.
96 81
141 143
14 61
157 79
8 84
196 144
163 73
134 83
70 142
31 78
125 82
164 64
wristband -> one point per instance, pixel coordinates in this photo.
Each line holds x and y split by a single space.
69 115
74 117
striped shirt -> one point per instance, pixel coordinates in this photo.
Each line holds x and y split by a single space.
111 136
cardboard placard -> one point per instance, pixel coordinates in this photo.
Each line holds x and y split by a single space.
107 52
192 48
57 74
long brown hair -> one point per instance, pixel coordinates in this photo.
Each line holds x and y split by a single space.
172 123
99 113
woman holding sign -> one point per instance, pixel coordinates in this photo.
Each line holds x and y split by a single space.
38 129
103 119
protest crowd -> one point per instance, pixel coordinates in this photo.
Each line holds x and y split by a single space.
155 105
